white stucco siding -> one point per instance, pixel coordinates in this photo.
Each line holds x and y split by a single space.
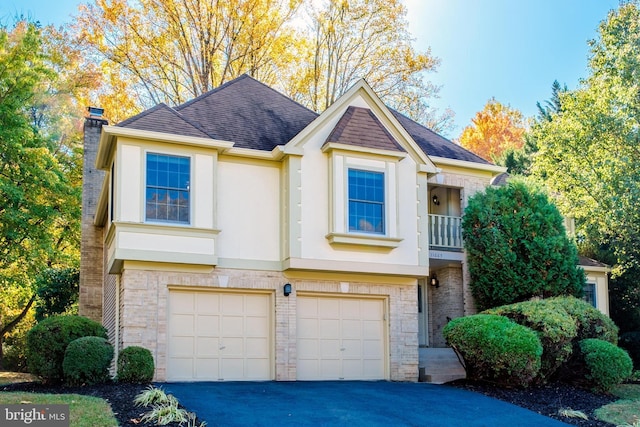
323 196
129 183
170 243
249 210
203 191
599 279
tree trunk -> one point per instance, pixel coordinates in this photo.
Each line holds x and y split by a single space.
4 330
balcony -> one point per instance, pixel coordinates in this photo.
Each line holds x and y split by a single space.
445 232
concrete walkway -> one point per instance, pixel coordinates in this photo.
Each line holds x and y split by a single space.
347 403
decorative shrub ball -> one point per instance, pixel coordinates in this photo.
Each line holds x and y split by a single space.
606 365
554 326
48 340
496 349
135 365
87 361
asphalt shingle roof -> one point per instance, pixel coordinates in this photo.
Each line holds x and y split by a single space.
359 126
162 118
255 116
433 144
249 113
588 262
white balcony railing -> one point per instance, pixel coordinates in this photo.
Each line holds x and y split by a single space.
445 231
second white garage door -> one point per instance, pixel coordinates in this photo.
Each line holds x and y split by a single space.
340 338
219 336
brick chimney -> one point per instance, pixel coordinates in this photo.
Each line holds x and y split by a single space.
91 245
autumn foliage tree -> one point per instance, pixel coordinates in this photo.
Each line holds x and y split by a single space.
171 51
39 179
348 40
494 130
174 50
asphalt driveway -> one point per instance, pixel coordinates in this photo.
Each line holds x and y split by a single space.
347 403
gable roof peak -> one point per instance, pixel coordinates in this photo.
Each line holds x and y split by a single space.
360 127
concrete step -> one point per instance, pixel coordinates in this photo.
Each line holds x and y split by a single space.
439 365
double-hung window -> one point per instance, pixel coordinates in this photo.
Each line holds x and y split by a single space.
590 293
366 201
167 189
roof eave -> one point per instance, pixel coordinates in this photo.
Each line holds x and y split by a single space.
111 133
488 167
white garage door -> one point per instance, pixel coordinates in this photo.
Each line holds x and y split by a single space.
219 336
340 338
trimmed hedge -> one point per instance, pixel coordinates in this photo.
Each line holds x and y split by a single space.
630 341
590 321
554 326
135 365
87 361
606 365
48 340
495 349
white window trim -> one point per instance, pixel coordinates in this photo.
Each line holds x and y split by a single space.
340 163
189 224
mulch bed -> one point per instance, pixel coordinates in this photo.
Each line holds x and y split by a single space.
546 400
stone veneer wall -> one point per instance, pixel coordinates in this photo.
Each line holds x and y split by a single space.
91 246
445 302
144 311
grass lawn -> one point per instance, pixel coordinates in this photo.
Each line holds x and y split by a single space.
623 412
84 411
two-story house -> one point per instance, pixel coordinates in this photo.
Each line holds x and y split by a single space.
241 236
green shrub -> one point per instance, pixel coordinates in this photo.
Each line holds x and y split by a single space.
554 326
590 321
630 341
135 365
495 349
517 247
48 340
14 345
87 361
606 365
57 291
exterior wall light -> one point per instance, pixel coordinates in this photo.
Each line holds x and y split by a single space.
435 200
434 281
287 289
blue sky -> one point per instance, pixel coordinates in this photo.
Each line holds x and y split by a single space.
512 50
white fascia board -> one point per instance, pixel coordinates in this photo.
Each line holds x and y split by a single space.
355 148
361 86
494 169
110 133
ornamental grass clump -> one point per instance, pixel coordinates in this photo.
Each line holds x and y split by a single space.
496 349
